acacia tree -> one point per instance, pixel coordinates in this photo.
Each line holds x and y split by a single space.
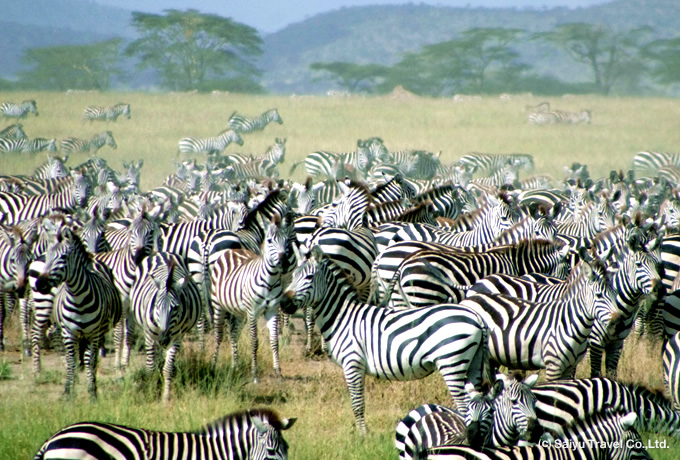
611 56
191 50
353 77
664 58
65 67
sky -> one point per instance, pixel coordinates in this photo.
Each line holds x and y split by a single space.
269 16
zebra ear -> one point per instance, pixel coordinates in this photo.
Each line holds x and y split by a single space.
286 423
628 420
498 387
316 253
531 380
259 425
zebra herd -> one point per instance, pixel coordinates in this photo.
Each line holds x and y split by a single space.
404 264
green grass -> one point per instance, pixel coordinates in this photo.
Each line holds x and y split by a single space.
312 390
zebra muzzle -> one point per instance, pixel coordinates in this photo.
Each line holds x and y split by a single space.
42 284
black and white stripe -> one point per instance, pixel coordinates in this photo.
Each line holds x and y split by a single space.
15 256
13 131
395 345
91 145
111 113
243 124
38 144
21 110
252 434
209 145
553 117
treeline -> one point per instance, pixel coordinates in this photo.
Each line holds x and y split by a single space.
189 50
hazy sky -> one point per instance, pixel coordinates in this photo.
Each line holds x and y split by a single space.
273 15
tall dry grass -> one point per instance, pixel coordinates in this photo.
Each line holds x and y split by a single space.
312 390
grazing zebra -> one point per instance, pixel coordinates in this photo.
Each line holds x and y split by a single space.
12 110
561 403
107 114
209 145
91 146
14 131
16 208
600 437
245 284
166 304
251 434
39 144
395 345
551 335
86 304
15 256
242 124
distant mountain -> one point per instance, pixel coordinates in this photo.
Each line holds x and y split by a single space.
382 34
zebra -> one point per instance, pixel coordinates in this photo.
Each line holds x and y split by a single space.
166 304
258 169
250 434
648 161
559 116
244 284
600 437
442 274
13 131
15 256
561 403
396 345
244 125
497 416
92 113
554 335
209 145
91 146
275 153
16 208
492 162
12 110
38 144
337 165
86 304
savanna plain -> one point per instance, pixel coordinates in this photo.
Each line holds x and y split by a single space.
312 389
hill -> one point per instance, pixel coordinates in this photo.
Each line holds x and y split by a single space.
382 34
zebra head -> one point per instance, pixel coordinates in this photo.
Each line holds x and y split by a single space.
143 236
514 415
106 138
63 257
276 153
80 189
31 106
600 296
125 110
480 409
167 279
310 280
640 268
274 116
349 211
274 243
19 257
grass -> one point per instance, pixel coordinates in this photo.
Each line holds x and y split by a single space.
312 390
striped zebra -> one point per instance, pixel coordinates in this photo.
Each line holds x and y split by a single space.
440 274
16 208
209 145
671 367
561 403
251 434
244 125
551 335
650 161
600 437
245 284
395 345
86 304
52 168
12 110
255 169
38 144
275 153
166 304
15 256
13 131
111 113
324 164
553 117
489 163
91 145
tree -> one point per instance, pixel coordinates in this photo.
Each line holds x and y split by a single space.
664 58
191 50
353 77
611 56
73 66
480 60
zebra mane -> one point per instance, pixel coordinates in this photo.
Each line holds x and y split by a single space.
223 423
266 204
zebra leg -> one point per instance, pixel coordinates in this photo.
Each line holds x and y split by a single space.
150 346
612 355
272 318
40 322
91 358
235 325
169 368
25 314
254 342
596 352
355 376
309 329
2 321
71 346
218 324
